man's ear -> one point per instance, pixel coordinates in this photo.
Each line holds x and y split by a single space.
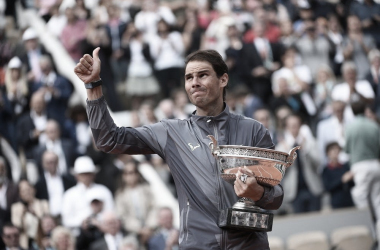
223 80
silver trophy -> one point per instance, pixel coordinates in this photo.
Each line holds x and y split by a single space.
268 167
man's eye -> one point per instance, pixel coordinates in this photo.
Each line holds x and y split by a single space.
203 75
189 78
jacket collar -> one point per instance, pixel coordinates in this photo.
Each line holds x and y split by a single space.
210 125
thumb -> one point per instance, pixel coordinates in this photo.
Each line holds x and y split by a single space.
95 54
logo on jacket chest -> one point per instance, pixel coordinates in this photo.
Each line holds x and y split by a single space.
193 147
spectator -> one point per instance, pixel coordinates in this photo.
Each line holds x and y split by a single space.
47 225
298 77
324 84
335 35
233 54
288 37
11 235
302 182
356 45
63 148
8 194
129 243
51 184
270 31
11 159
17 88
259 60
135 204
337 178
44 7
332 129
81 11
27 212
263 116
182 107
57 21
141 83
62 239
109 174
76 207
90 230
167 50
115 28
31 58
368 11
352 89
73 33
31 126
363 145
56 89
77 128
166 235
113 235
285 97
373 77
147 19
146 113
314 49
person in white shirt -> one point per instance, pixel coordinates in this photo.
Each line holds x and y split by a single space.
332 130
167 50
352 89
146 20
76 206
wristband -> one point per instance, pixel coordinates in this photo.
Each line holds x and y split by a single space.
92 85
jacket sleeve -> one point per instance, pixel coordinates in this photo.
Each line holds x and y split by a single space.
110 138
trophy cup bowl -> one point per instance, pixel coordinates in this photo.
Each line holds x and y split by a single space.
267 165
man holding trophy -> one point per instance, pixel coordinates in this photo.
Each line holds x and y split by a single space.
209 218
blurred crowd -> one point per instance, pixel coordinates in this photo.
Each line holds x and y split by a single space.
308 70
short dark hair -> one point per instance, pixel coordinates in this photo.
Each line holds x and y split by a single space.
212 57
358 107
8 225
330 145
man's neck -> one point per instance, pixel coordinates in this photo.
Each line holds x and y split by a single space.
212 110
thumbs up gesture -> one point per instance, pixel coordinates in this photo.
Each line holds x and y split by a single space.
88 68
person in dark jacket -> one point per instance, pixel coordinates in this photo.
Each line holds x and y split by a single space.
337 178
184 145
52 184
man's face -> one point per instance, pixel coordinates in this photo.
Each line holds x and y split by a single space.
111 225
86 178
293 125
202 85
350 76
11 236
166 219
52 131
50 162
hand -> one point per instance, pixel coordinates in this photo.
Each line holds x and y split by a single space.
249 189
348 176
172 239
88 68
259 71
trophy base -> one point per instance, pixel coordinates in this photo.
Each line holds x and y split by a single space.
254 219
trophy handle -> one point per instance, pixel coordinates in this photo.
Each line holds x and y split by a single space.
292 156
213 145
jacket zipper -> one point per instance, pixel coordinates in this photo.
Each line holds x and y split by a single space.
186 220
218 182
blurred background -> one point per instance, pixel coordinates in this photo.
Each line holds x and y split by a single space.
308 70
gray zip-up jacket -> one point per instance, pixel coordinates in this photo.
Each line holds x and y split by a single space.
201 192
